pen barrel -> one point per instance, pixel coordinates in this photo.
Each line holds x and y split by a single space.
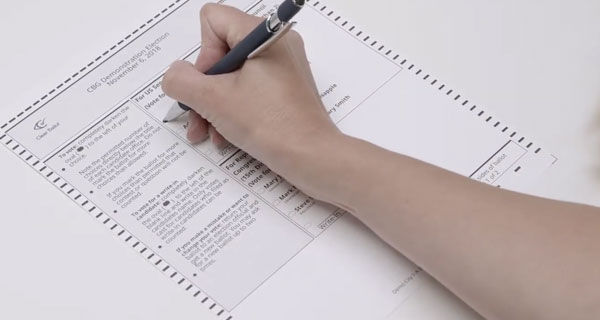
184 107
288 9
235 58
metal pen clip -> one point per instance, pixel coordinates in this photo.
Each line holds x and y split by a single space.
282 28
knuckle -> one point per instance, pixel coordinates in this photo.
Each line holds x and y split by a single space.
170 78
295 37
206 10
167 81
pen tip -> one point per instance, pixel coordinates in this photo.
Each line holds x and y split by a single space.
175 112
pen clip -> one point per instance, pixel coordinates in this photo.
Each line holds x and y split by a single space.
285 28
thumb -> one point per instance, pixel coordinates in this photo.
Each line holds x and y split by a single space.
184 83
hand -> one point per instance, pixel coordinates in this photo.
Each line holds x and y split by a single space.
267 108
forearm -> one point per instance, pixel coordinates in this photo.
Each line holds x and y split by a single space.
508 255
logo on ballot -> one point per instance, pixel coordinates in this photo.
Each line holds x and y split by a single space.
42 128
41 124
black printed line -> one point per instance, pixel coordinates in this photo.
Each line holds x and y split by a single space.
72 80
233 155
488 160
135 31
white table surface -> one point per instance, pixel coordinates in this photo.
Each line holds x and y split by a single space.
534 63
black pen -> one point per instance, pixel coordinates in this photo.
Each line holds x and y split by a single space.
264 35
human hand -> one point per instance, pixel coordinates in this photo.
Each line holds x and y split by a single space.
267 108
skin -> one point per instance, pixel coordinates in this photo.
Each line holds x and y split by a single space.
509 256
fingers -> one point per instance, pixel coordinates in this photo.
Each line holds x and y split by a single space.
184 83
216 138
219 34
197 128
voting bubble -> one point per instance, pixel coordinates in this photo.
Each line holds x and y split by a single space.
166 203
80 149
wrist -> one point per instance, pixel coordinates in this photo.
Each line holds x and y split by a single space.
327 166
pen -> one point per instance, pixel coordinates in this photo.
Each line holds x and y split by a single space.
260 39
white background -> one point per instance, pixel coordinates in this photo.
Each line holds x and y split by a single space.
534 63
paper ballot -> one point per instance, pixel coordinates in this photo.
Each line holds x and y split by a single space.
223 226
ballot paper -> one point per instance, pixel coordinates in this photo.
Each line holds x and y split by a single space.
223 226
